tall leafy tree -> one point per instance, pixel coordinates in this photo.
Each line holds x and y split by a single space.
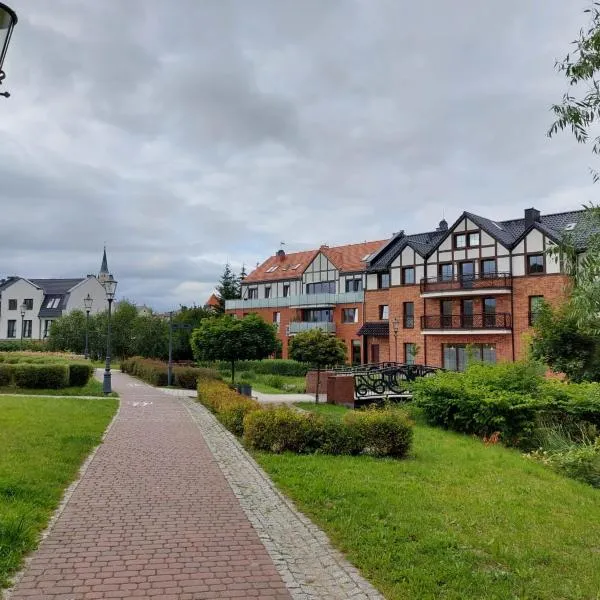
318 349
229 339
228 287
190 317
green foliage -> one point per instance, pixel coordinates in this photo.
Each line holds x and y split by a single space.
7 374
317 348
379 432
291 368
229 339
51 376
27 345
190 317
564 346
275 381
80 373
155 372
507 398
228 287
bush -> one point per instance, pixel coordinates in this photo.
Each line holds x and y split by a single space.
155 372
80 374
229 406
382 432
28 345
275 381
263 367
41 376
7 374
507 398
282 429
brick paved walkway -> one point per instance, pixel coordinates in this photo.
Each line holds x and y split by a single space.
152 516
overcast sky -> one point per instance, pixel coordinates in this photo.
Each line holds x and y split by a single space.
191 132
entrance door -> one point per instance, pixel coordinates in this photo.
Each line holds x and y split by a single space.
467 314
356 358
375 353
467 274
446 312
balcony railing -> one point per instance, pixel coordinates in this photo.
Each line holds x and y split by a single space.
460 283
300 326
301 300
477 321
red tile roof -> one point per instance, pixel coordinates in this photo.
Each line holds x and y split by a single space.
213 301
347 258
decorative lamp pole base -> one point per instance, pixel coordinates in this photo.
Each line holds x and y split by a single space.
106 385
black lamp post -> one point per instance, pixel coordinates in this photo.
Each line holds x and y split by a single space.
173 327
396 326
110 287
8 20
87 302
23 309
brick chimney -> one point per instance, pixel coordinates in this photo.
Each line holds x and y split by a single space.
281 254
443 226
531 216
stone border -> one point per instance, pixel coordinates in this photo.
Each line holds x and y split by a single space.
310 567
68 493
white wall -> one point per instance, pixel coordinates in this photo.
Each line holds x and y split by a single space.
20 290
89 286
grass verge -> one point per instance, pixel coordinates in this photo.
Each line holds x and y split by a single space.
457 520
92 388
285 384
43 442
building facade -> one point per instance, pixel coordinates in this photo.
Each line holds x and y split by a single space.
29 306
434 298
322 288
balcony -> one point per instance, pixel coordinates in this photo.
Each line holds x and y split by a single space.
299 301
472 324
300 326
466 285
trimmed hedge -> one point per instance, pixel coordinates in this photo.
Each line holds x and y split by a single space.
7 375
41 376
508 398
264 367
155 372
29 345
379 432
80 374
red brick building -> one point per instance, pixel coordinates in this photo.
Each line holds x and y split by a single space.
429 298
322 288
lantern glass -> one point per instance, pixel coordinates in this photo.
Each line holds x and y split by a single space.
87 302
110 287
8 19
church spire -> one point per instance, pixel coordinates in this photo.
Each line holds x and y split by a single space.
103 275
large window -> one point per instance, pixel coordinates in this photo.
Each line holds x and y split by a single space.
445 272
268 292
466 308
350 315
321 287
11 332
12 304
47 326
466 240
252 293
28 302
535 264
317 315
408 315
286 290
354 285
277 318
356 352
51 301
488 268
408 275
384 312
27 328
535 305
446 307
410 351
457 356
383 281
489 312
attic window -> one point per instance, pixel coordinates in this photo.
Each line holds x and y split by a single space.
498 226
52 302
295 267
272 269
570 226
365 257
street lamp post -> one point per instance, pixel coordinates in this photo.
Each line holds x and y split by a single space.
110 287
173 327
87 302
23 309
396 326
8 20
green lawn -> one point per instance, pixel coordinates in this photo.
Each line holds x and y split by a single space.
92 388
43 442
456 520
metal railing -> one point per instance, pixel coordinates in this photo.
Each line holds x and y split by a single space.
300 300
475 321
300 326
495 280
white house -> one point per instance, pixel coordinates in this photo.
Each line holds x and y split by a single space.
29 306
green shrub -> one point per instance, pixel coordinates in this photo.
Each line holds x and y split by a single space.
28 345
336 437
7 374
155 372
382 432
187 377
247 376
41 376
275 381
263 367
282 429
80 374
